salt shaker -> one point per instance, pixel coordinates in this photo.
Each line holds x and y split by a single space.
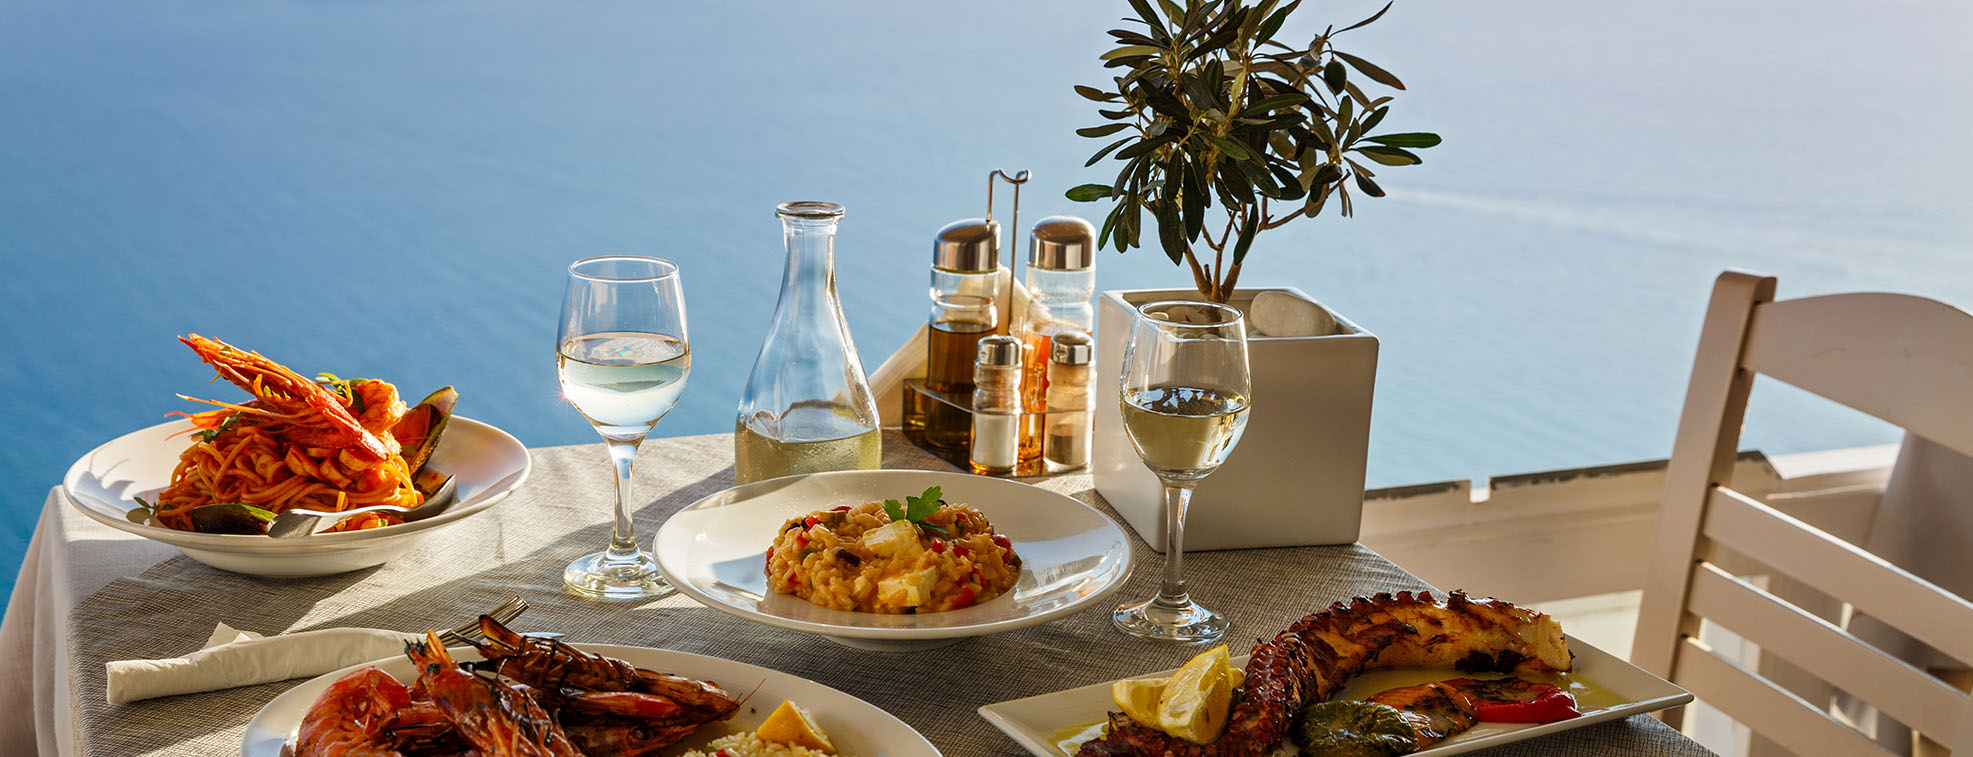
997 406
1069 397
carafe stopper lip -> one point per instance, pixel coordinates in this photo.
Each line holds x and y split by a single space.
809 209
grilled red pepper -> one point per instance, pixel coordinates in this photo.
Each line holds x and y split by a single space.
1513 700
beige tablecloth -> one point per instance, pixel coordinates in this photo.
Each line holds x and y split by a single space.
88 595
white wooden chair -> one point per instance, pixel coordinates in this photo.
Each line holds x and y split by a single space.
1907 360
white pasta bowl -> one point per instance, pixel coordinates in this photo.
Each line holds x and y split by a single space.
1072 556
487 463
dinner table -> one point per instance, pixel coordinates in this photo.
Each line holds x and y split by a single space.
88 595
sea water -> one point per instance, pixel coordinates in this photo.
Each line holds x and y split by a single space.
395 190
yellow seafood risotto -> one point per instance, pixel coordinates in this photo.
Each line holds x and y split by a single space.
887 557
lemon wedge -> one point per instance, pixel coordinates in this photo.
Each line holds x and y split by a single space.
1197 697
791 725
1139 698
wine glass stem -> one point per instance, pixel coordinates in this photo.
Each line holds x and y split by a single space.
1172 592
623 536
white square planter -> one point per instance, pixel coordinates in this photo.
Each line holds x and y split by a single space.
1296 478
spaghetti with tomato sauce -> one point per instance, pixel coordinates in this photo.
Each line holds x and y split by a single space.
297 443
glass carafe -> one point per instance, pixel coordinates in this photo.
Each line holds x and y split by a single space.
808 406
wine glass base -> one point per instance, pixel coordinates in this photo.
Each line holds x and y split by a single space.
1186 623
597 577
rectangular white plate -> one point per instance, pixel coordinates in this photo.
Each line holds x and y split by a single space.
1037 722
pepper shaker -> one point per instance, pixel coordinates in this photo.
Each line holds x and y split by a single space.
1069 396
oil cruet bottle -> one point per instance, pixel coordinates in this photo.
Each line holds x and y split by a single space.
965 284
808 407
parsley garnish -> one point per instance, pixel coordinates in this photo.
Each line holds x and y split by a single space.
211 434
346 388
917 509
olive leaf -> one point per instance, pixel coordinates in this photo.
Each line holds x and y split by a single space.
1089 192
1371 70
1369 187
1419 140
1390 156
1095 94
1368 21
1103 152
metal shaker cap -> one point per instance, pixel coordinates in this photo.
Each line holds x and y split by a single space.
1000 350
968 246
1073 348
1062 243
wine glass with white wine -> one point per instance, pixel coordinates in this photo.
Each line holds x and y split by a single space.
1184 396
623 357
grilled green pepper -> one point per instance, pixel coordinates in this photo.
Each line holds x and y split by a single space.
1353 729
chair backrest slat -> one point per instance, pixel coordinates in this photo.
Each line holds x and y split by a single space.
1904 359
1703 455
1894 686
1841 570
1771 711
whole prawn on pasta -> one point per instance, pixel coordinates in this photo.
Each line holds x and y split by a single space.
313 415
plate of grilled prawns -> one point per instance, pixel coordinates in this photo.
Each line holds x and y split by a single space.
1391 674
516 694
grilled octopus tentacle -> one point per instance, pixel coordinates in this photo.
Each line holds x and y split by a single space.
1311 660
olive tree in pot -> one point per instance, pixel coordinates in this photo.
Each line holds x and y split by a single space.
1226 133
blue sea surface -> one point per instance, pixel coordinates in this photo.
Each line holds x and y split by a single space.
394 189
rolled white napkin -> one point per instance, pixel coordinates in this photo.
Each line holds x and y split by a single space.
242 658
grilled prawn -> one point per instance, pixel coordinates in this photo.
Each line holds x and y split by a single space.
607 706
352 717
602 685
1311 660
316 416
491 715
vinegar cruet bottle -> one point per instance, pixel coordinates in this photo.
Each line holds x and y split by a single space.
808 407
1061 280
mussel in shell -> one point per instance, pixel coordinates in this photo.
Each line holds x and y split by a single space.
230 518
418 432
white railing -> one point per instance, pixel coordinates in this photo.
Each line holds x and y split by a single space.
1538 537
